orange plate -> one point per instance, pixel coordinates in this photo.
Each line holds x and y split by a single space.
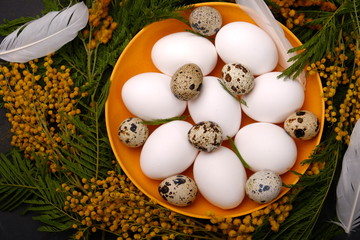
136 59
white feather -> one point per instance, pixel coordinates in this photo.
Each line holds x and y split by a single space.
45 35
263 17
348 188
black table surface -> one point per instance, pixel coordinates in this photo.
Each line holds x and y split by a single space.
15 225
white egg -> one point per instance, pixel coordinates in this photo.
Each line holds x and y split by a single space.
273 99
217 105
247 44
167 151
266 146
177 49
149 97
220 177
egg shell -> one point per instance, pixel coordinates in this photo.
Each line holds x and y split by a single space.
178 190
132 132
302 125
206 136
186 82
248 44
237 78
148 96
167 150
215 104
273 99
205 20
177 49
263 186
266 146
220 177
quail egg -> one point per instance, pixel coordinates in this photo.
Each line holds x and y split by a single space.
237 78
186 82
132 132
178 190
263 186
205 136
302 124
205 20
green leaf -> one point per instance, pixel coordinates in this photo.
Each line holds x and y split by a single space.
40 208
242 101
16 180
49 206
234 148
11 25
162 121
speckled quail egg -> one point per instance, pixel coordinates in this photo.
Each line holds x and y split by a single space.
178 190
237 78
186 82
263 186
205 136
302 124
205 20
132 132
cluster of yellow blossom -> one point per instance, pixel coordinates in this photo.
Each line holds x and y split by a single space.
101 24
289 10
241 228
117 206
40 106
341 70
315 168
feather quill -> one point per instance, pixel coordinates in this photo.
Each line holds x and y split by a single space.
263 17
348 187
45 35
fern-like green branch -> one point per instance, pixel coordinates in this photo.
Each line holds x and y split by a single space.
16 180
326 39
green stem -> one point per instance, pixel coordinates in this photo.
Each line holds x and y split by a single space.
89 54
357 22
94 62
73 66
162 121
233 146
97 137
18 186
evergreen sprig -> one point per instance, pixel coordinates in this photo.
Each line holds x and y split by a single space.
317 44
16 180
90 154
49 206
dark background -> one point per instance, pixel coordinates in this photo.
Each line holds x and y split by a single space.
17 225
